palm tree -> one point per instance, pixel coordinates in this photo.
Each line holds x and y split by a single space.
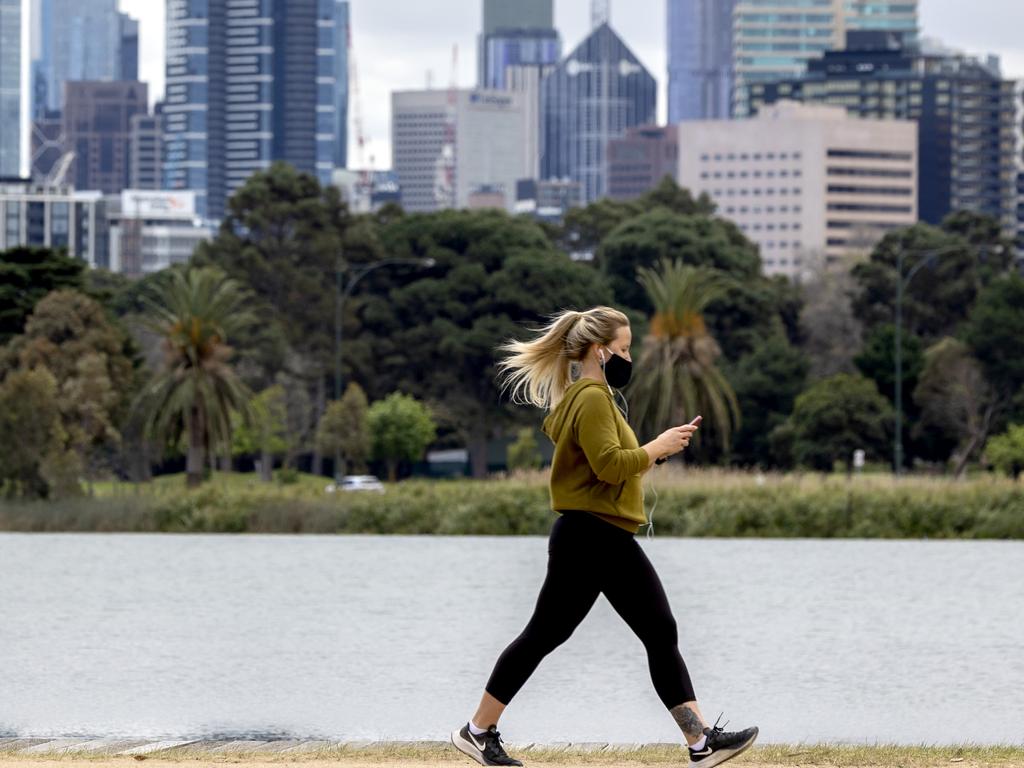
677 376
194 312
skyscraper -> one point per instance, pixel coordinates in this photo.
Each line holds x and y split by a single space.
596 93
964 108
774 39
128 55
515 34
248 82
80 40
699 59
10 87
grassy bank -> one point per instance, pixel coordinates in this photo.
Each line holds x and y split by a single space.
689 503
430 754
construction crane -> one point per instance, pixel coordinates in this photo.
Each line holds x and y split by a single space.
365 181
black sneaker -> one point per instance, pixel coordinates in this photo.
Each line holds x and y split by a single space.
721 745
485 748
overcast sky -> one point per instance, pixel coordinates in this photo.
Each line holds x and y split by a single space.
397 42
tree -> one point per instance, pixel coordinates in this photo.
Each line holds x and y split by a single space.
523 453
1006 451
401 429
835 417
343 431
877 359
433 332
30 421
994 332
697 240
266 435
955 399
831 330
942 293
677 375
26 275
767 382
71 335
281 237
195 391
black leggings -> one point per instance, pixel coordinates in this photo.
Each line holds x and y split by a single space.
588 556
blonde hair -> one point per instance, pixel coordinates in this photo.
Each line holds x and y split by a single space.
540 370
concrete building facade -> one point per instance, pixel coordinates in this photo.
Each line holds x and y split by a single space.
638 161
97 127
802 182
479 141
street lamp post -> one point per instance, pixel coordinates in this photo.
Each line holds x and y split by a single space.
901 285
342 293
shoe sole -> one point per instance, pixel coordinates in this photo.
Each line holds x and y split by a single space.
726 754
466 748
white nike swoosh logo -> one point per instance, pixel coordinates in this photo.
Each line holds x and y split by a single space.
703 752
473 739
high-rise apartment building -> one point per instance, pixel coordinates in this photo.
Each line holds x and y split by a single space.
10 88
700 59
963 106
96 126
515 34
592 96
804 182
774 39
446 155
248 82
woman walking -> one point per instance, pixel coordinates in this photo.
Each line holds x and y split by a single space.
596 491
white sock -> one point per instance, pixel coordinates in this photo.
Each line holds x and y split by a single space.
475 729
698 745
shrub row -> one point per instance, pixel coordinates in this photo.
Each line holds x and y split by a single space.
694 505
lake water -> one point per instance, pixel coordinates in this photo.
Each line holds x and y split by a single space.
393 637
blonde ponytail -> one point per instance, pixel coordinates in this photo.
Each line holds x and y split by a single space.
539 371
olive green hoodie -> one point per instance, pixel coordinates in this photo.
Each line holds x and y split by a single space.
597 460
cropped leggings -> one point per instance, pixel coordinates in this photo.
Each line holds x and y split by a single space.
588 556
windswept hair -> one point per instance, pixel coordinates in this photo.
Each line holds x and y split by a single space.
540 370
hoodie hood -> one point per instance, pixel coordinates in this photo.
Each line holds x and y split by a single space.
555 422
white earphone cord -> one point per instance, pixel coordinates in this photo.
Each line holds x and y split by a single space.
653 487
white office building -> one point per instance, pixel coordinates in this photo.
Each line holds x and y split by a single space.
151 230
447 154
54 217
804 182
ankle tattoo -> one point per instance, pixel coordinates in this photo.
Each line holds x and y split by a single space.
687 720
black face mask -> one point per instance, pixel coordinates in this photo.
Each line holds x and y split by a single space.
617 370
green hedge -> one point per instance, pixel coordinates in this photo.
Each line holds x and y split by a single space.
693 504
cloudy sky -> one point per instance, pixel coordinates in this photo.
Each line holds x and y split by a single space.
400 43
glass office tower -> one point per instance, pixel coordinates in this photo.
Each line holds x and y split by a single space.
700 59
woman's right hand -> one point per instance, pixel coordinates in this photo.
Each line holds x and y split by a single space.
674 439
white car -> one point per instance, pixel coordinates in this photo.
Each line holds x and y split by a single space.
360 483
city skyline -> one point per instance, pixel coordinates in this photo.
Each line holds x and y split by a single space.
423 37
